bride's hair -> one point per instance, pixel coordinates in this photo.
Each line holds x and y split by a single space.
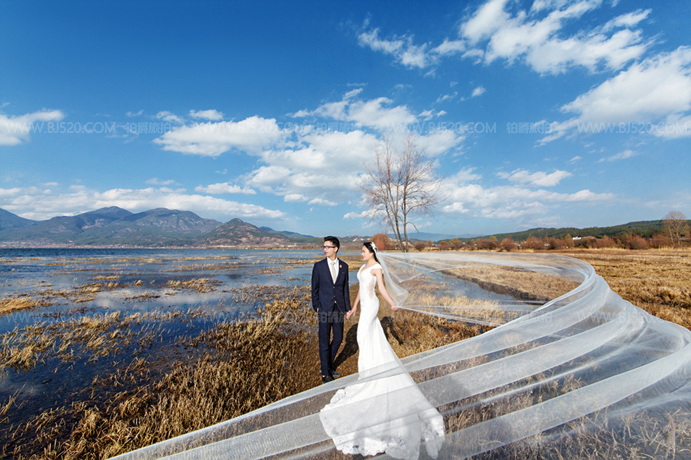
371 247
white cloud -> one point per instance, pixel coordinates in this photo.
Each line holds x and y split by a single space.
323 202
224 188
487 20
656 87
169 117
539 179
538 41
17 129
294 198
446 97
156 181
250 135
211 115
450 47
464 197
650 97
368 214
627 20
305 167
479 91
10 192
620 156
439 142
465 175
541 37
343 149
267 177
401 48
426 114
374 113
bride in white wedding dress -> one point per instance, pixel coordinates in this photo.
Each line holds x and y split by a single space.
384 411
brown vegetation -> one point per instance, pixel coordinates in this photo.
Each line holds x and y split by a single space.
656 280
12 304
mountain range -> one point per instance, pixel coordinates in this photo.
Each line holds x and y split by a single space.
156 227
159 227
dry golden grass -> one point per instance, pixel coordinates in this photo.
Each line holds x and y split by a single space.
13 304
200 285
656 280
520 284
100 335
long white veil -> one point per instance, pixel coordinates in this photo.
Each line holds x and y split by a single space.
569 369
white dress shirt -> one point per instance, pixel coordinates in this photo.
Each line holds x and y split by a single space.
333 267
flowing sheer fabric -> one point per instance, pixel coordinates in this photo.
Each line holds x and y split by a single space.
387 414
570 369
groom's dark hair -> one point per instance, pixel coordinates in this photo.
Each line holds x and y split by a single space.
333 240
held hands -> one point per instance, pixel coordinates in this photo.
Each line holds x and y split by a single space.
394 308
350 313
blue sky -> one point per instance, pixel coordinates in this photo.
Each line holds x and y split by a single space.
546 113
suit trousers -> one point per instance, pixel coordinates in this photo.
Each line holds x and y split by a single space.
328 347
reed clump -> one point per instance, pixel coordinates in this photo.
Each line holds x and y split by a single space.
23 302
200 285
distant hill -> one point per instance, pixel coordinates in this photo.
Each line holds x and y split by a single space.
238 232
298 237
64 229
9 220
645 229
156 227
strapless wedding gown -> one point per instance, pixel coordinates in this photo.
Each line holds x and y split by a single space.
384 411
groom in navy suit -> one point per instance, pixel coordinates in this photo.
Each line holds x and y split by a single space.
331 300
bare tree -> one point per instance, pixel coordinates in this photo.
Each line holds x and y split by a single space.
401 183
676 226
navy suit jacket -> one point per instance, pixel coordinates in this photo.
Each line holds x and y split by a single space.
326 293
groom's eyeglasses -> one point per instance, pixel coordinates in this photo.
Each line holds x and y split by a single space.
328 247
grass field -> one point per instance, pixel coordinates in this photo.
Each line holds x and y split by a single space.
656 280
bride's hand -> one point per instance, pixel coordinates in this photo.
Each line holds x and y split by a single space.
394 308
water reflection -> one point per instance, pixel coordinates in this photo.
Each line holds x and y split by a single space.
131 280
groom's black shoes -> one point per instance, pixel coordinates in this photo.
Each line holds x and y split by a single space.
332 375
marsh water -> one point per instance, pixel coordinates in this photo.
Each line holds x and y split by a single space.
156 298
131 280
